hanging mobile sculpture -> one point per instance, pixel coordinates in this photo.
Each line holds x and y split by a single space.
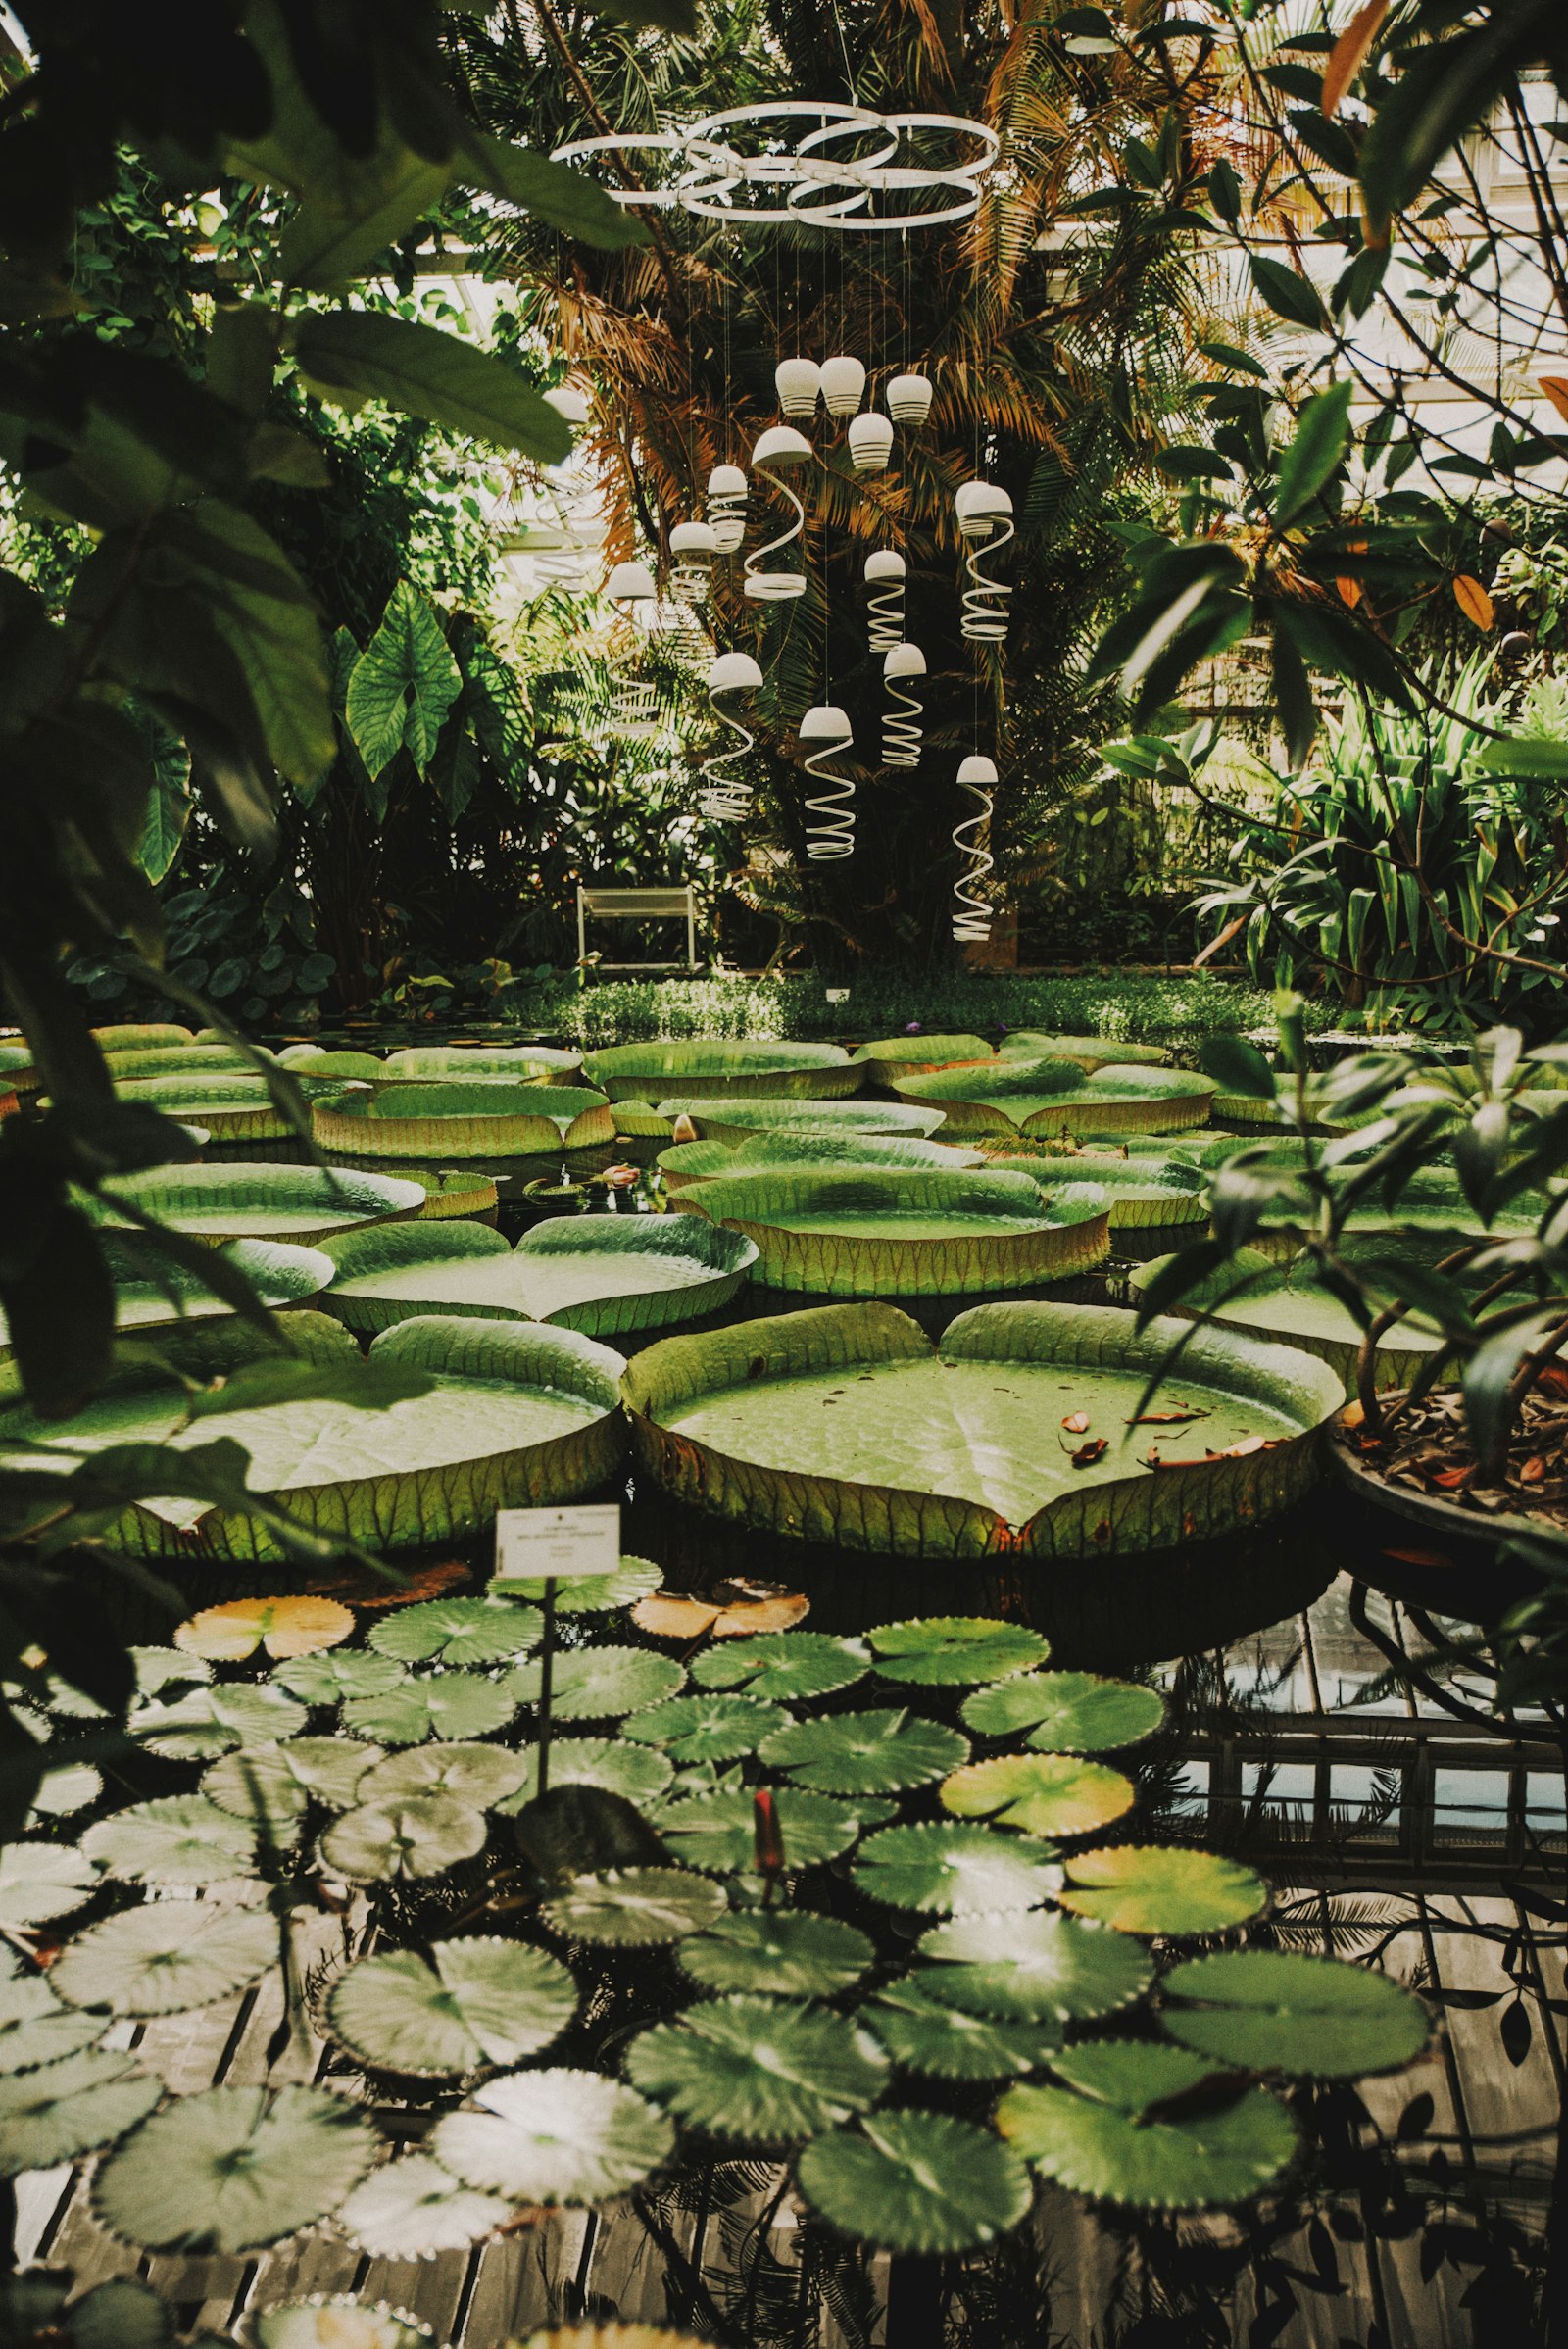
908 399
830 814
634 699
971 914
843 384
884 576
902 733
780 445
798 381
985 517
726 507
870 438
726 797
693 546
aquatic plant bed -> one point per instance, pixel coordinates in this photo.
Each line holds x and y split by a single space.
1020 1434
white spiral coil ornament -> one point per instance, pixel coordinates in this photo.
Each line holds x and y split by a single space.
780 445
985 517
830 813
633 699
726 507
972 914
902 734
725 798
884 576
693 545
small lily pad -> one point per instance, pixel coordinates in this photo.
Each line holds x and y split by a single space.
271 1785
640 1773
954 1651
759 2067
459 1631
781 1667
1045 1794
864 1753
956 1870
915 2182
411 2209
43 1881
168 1957
586 1593
232 2169
346 1672
1066 1712
1033 1968
177 1839
37 2029
718 1830
417 1836
284 1627
480 1775
474 2002
206 1722
551 2137
705 1727
1272 2010
1162 1888
925 2034
599 1684
789 1954
633 1907
71 2108
454 1705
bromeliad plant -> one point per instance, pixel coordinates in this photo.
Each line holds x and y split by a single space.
865 1907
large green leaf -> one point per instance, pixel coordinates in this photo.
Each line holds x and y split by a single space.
406 1837
1120 2131
864 1753
789 1954
958 1870
780 1667
705 1727
915 2182
42 1880
412 2208
921 1231
496 1119
233 2169
1270 2010
1052 1096
599 1683
923 2033
71 2108
175 1839
759 2067
1045 1794
718 1830
553 2137
735 1118
472 2002
450 1704
1162 1888
633 1907
718 1071
605 1274
1034 1968
954 1651
844 1425
444 1063
298 1203
1066 1712
459 1631
167 1957
403 684
353 355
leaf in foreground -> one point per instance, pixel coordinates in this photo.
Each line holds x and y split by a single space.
954 1651
337 2320
411 2209
759 2067
1066 1712
632 1907
232 2170
422 1835
1045 1794
865 1754
1270 2010
956 1870
176 1839
167 1957
472 2002
915 2182
555 2137
790 1953
1034 1968
922 2032
71 2108
1162 1888
1148 2125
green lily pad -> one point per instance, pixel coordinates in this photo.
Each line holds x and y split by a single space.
342 1672
638 1773
472 2002
925 2034
954 1651
735 1120
71 2108
1055 1096
705 1728
42 1880
450 1704
599 1684
339 2319
586 1593
1162 1888
168 1957
789 1954
956 1870
782 1667
1034 1968
533 1063
412 2208
271 1785
153 1290
605 1274
213 1719
233 2169
1270 2010
759 2067
553 2137
717 1832
633 1907
891 1058
302 1204
416 1836
1067 1712
915 2182
176 1839
160 1668
481 1775
1045 1794
491 1118
459 1631
1120 2133
739 1068
35 2029
789 1151
864 1753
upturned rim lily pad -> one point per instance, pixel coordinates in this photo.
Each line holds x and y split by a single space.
695 1401
1143 1193
739 1068
789 1152
299 1205
890 1058
1089 1053
1055 1096
499 1119
1284 1304
531 1063
737 1119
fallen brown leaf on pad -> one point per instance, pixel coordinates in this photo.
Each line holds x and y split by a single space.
1076 1423
1088 1454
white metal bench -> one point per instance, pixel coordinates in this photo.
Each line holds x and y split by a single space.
672 903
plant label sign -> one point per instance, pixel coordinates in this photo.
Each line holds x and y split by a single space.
568 1543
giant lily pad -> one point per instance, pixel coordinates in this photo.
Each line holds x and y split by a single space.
474 2001
500 1119
341 1068
232 1106
178 1059
760 2068
152 1291
846 1424
1149 2125
1089 1053
791 1152
718 1071
302 1204
604 1274
1286 1303
915 2182
1055 1096
737 1120
1144 1194
233 2169
1271 2010
553 2136
908 1234
518 1414
892 1058
532 1063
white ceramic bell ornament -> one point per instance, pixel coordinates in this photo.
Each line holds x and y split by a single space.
902 733
843 384
830 813
726 507
734 672
693 545
798 381
631 583
723 797
981 509
908 399
972 914
884 576
985 517
568 402
871 439
779 446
